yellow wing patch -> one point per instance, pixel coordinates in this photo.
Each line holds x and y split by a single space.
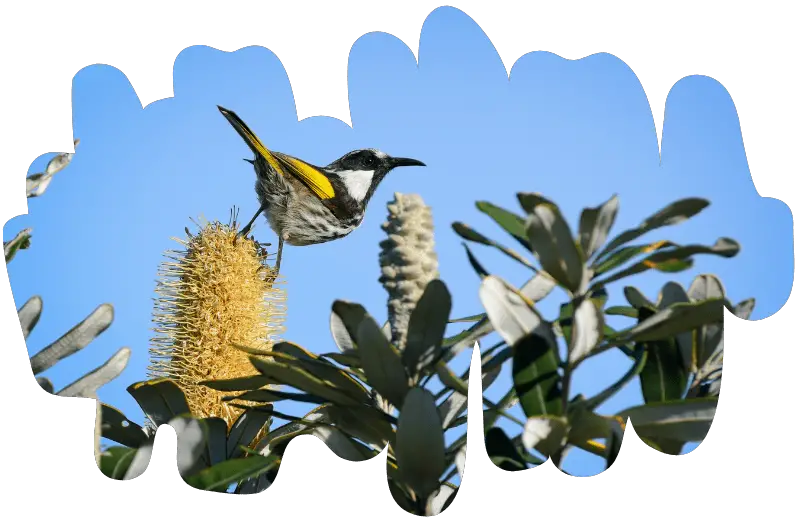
316 180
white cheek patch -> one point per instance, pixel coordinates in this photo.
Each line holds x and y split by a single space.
357 182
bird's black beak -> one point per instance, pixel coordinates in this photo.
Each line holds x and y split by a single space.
399 162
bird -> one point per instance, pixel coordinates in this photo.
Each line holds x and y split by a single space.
306 204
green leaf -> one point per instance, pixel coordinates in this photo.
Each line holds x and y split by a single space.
676 259
625 254
244 431
502 451
216 438
250 382
510 314
545 434
115 461
75 339
664 376
345 319
508 221
221 476
638 300
118 428
529 202
537 382
323 369
595 224
552 240
638 365
382 363
367 424
472 318
683 421
349 359
300 378
427 326
479 269
613 443
160 399
673 214
46 384
20 242
420 449
192 435
29 315
88 385
622 310
472 235
671 321
706 286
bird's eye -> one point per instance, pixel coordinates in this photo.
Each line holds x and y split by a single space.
370 160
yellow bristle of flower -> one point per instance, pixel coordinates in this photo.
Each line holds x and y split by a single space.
215 292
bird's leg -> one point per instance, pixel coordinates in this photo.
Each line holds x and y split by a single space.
278 258
246 229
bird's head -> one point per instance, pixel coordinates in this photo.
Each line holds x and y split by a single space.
363 169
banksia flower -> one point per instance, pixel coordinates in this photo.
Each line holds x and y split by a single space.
215 293
408 261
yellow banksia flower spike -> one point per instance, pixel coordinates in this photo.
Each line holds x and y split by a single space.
215 293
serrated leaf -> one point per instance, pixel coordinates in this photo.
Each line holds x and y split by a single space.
672 214
683 421
534 369
419 448
75 339
221 476
502 451
160 399
89 384
595 224
345 319
552 241
427 326
29 315
382 363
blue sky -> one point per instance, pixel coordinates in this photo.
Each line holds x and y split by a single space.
576 131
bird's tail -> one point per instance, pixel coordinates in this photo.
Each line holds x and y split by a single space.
250 138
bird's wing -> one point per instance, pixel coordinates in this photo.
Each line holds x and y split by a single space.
315 179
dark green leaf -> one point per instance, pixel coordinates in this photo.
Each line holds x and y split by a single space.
537 382
684 421
345 319
502 451
473 318
613 443
382 363
420 442
529 202
476 265
427 326
672 214
20 242
115 461
625 254
663 377
244 431
471 235
508 221
744 309
673 320
622 310
250 382
552 241
297 377
160 399
117 428
221 476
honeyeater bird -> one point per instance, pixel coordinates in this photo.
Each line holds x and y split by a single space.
306 204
